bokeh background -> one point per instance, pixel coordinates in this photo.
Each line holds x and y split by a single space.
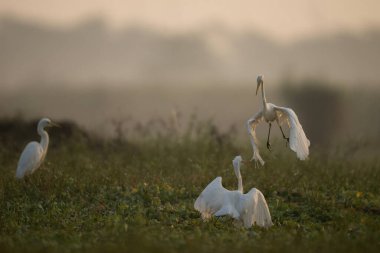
111 66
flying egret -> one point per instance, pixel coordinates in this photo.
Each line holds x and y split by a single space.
297 139
34 153
250 208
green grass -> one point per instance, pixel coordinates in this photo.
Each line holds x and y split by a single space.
138 196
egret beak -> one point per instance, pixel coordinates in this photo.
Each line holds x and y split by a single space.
258 86
53 124
259 81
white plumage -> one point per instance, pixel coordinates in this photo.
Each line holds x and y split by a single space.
34 153
31 158
250 208
297 140
251 127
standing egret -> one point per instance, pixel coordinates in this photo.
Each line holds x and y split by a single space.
34 153
297 139
250 208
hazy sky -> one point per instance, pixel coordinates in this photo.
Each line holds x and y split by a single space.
285 20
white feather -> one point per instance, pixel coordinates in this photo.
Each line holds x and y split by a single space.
298 141
256 210
211 199
30 159
251 128
250 208
34 153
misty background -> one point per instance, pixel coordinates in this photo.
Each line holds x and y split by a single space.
106 78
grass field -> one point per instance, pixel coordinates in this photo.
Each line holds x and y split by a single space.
138 195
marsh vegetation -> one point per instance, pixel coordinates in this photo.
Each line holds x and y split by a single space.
137 195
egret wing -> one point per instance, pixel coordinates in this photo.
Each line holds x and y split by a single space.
30 159
255 210
251 127
298 141
211 199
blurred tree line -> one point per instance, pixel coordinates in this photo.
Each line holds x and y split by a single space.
331 115
320 109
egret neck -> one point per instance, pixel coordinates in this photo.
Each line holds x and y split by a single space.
240 180
263 95
44 138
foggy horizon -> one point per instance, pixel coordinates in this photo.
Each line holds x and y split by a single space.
92 53
93 65
281 21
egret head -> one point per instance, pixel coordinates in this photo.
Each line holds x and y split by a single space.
46 122
236 163
260 81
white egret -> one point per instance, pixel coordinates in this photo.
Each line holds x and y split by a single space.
34 153
297 139
250 208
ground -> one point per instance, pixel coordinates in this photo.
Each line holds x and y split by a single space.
138 195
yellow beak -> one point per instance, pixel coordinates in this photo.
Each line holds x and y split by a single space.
258 86
53 124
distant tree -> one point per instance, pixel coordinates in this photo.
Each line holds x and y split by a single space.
319 107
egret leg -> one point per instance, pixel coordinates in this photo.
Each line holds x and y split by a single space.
283 136
268 144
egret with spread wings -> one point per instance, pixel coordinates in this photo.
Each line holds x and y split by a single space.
297 139
250 208
34 153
